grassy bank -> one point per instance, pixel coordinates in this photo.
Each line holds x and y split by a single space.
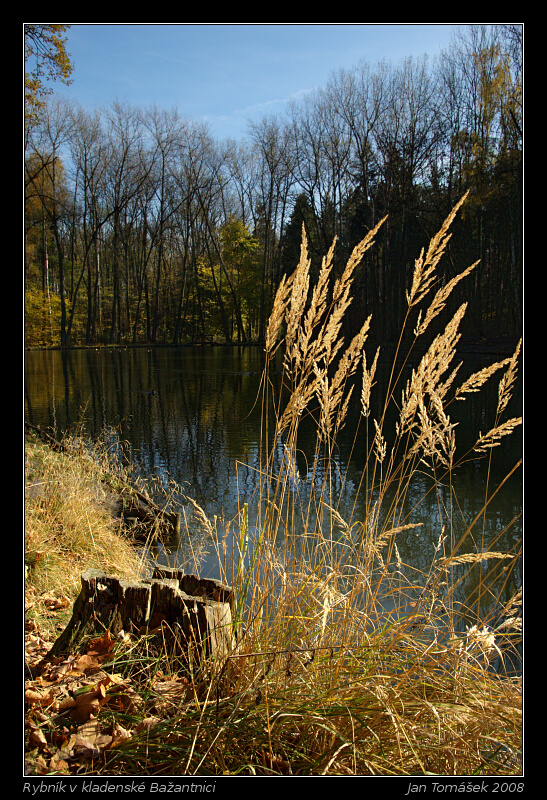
70 525
348 661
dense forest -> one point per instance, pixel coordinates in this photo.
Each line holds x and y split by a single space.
141 228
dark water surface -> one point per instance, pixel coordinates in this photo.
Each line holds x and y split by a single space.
191 414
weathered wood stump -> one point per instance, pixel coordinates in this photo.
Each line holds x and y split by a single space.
192 618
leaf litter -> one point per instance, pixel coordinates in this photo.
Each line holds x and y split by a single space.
68 699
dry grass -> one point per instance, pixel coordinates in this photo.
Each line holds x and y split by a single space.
362 663
72 520
69 524
351 662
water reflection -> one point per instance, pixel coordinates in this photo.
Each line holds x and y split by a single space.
191 414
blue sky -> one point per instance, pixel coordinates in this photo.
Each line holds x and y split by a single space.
225 74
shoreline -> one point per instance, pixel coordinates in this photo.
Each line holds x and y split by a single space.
491 345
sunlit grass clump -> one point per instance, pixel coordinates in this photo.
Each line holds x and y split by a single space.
73 497
354 662
69 523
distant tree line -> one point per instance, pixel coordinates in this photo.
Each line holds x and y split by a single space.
140 227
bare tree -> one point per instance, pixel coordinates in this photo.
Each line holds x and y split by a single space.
47 143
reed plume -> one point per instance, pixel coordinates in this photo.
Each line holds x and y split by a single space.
327 585
347 660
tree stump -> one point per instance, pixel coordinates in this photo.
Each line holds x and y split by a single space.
191 618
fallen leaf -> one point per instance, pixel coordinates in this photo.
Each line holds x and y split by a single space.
54 603
35 765
87 708
84 749
102 647
87 662
123 698
65 703
89 701
59 737
40 716
37 696
57 764
146 724
90 740
119 734
37 738
54 672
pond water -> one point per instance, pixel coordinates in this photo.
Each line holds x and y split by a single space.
191 414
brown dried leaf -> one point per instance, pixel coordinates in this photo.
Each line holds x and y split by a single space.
87 706
38 766
37 696
66 702
89 701
90 740
58 671
146 724
57 764
119 734
54 603
123 698
37 738
102 647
